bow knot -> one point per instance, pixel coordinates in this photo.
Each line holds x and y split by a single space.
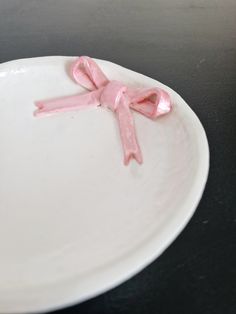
151 102
112 95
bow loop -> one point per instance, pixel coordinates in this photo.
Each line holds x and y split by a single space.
152 102
88 74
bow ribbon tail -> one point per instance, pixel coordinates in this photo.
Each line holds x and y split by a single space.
127 132
68 103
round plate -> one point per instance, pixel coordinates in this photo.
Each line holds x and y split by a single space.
74 221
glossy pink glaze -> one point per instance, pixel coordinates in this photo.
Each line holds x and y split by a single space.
151 102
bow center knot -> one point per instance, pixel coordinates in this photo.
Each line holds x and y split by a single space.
112 94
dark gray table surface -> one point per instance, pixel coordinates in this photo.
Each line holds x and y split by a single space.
190 46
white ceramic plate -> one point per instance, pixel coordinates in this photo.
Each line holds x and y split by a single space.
74 221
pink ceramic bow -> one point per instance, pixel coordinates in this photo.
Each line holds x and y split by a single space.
151 102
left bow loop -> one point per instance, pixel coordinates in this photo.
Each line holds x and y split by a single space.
87 73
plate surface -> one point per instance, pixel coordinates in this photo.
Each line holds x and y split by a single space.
74 221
